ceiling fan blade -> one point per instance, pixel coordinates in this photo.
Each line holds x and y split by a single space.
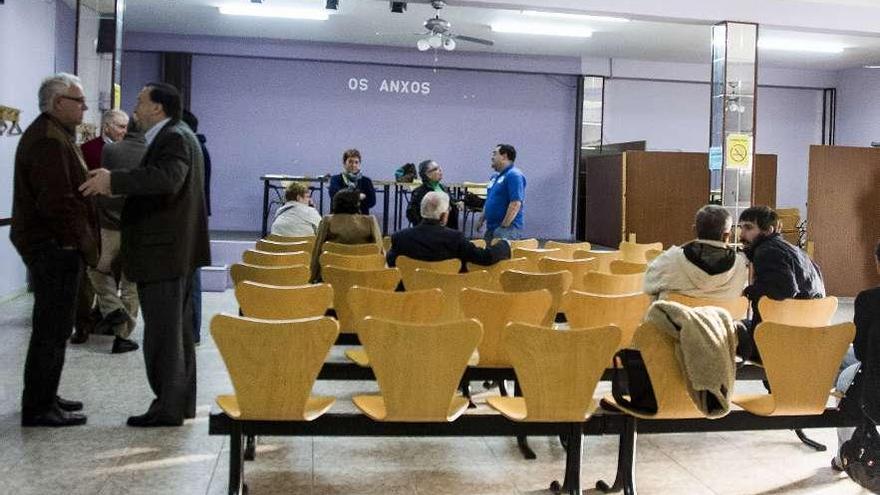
471 39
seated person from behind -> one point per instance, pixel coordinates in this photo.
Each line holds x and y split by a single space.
430 240
297 217
706 267
352 178
345 225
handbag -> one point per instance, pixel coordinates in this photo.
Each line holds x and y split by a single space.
630 378
860 456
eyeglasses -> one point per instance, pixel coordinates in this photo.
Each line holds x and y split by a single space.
81 100
430 170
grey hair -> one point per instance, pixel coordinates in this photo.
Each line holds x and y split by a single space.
55 86
712 222
434 205
109 115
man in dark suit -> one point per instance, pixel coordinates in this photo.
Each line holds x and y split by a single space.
55 230
164 239
431 240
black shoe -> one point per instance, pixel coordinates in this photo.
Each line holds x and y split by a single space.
79 336
121 345
835 465
150 421
55 417
116 317
68 405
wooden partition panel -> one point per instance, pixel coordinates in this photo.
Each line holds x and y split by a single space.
764 181
604 201
843 209
663 192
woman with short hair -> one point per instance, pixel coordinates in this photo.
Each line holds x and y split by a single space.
345 225
297 217
431 174
353 179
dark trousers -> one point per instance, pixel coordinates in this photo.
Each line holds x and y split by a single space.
169 352
197 305
55 277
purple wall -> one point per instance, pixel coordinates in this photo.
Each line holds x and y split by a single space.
138 68
858 104
65 37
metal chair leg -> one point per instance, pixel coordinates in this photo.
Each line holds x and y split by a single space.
626 462
237 485
573 454
809 442
250 448
522 441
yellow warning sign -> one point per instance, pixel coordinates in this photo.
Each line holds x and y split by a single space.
739 151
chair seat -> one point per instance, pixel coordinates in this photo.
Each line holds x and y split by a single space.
694 413
758 404
315 407
359 356
374 407
514 408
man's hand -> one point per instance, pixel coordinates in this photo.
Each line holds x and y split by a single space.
98 183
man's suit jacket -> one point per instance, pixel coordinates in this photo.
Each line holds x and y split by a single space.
123 155
164 221
430 241
92 150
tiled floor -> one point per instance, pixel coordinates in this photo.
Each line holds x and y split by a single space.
105 457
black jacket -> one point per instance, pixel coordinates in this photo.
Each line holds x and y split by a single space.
430 241
781 271
867 319
364 185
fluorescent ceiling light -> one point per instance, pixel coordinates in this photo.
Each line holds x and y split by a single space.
872 66
258 10
574 17
519 27
801 46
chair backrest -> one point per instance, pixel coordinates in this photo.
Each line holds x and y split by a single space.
604 258
626 312
273 364
352 262
801 363
500 267
520 243
798 312
558 371
285 247
272 275
272 302
567 249
267 258
652 253
286 238
738 307
667 379
620 267
343 279
420 306
351 249
533 255
495 310
635 252
555 282
386 243
419 366
480 243
451 284
577 268
607 283
408 267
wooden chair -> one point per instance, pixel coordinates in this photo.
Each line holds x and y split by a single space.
451 284
801 364
798 312
266 258
738 307
480 243
521 243
495 310
607 283
420 306
557 283
497 269
567 249
272 302
577 268
652 253
284 238
604 258
418 368
558 371
626 312
386 243
273 366
620 267
351 249
271 275
635 252
342 280
408 267
285 247
533 255
352 262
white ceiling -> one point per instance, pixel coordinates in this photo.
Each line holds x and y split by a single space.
359 21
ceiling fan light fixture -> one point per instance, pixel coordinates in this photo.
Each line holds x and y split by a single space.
423 45
435 41
449 44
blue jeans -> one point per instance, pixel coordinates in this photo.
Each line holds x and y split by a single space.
509 233
848 369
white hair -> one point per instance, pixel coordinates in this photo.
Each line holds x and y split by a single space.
434 205
55 86
109 115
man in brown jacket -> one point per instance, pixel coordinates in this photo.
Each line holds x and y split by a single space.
54 229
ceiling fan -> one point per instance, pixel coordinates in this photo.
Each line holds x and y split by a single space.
439 33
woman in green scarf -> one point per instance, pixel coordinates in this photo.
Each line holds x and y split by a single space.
431 174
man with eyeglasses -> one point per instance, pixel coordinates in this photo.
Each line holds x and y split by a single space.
55 230
114 124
